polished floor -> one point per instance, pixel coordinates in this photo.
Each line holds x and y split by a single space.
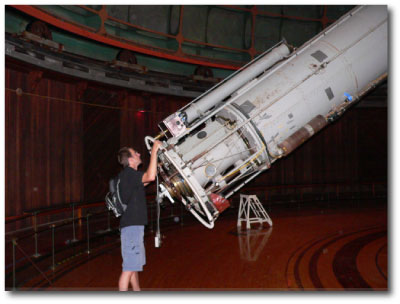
310 247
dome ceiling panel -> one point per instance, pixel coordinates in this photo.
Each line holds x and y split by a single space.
220 37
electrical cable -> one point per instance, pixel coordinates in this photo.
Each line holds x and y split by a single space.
157 240
19 92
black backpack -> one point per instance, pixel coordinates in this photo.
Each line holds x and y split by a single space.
113 199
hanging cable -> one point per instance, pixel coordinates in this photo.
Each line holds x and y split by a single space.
19 92
157 239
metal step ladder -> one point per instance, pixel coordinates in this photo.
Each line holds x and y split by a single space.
252 211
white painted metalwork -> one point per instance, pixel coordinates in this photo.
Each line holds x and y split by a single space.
251 211
230 134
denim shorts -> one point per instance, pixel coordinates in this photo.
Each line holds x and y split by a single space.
132 248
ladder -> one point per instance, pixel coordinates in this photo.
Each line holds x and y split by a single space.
252 211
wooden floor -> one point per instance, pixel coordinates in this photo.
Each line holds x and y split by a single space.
309 247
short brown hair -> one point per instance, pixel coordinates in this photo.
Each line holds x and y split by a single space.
123 155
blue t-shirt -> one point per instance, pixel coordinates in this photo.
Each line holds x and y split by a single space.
133 194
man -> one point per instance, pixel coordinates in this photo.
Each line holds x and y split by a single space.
134 219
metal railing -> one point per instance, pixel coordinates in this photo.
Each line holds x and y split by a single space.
324 192
47 259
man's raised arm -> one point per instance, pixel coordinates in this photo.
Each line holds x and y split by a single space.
151 172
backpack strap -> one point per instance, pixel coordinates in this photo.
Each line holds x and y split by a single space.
124 206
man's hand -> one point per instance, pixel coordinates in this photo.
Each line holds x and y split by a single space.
156 145
151 172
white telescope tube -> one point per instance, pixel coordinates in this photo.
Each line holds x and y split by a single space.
274 112
223 91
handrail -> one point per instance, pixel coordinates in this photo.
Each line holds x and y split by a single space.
58 209
50 210
313 185
63 222
14 218
150 197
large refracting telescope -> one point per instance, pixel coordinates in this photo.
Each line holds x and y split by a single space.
236 130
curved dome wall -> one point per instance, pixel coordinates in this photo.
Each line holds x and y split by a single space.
176 39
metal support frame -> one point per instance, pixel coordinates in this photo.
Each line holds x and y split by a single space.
88 233
249 204
53 267
14 243
37 254
74 239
